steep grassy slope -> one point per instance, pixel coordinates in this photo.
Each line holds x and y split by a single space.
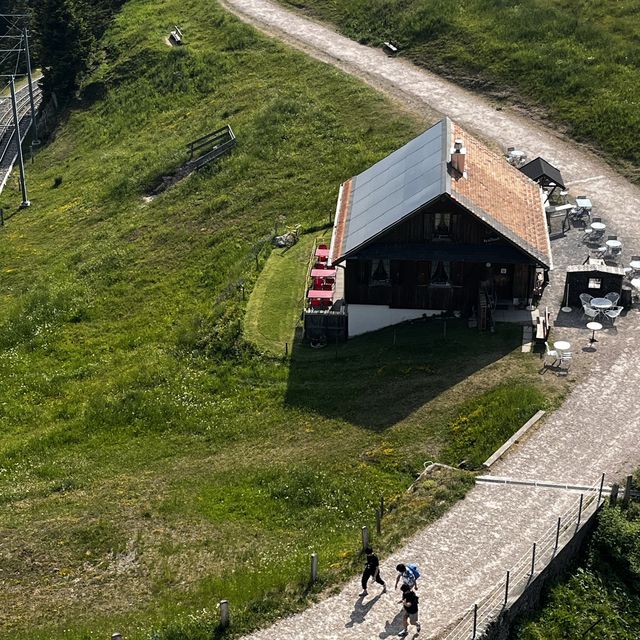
575 60
151 460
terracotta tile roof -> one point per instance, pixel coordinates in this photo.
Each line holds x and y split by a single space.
491 189
502 196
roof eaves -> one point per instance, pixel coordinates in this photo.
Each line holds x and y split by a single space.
503 230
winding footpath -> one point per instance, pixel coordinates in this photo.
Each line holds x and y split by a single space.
597 430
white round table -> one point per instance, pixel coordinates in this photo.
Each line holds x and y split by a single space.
562 345
598 226
593 326
613 244
635 265
601 303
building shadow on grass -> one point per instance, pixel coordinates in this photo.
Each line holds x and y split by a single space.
378 379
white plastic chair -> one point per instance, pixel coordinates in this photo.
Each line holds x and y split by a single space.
585 298
614 297
550 353
590 312
613 313
565 358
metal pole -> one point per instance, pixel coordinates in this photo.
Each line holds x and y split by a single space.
23 182
506 589
314 567
365 537
30 79
601 487
558 533
533 558
475 620
224 613
580 510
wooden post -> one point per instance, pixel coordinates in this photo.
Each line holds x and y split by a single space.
224 613
613 497
314 568
1 217
601 488
378 519
627 492
365 537
558 532
286 349
475 620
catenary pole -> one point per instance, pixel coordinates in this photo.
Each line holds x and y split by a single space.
16 121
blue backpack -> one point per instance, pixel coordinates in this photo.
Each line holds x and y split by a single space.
414 569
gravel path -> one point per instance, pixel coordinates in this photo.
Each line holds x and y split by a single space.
597 430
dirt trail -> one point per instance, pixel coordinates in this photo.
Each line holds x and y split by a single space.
596 431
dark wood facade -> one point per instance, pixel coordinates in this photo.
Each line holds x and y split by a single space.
439 258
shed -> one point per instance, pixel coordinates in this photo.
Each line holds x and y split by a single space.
594 277
543 172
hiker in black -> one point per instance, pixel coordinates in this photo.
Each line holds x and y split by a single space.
410 604
371 570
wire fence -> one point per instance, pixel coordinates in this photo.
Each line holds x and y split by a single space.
477 619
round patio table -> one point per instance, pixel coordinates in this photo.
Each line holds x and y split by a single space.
613 244
601 303
593 326
562 345
635 265
598 226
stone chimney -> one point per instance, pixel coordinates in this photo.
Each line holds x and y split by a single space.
458 157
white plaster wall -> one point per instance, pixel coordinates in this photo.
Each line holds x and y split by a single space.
371 317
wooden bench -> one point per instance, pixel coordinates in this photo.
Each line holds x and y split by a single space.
176 35
390 48
541 323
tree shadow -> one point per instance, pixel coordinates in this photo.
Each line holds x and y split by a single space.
378 379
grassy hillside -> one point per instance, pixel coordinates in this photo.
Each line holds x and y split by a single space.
601 599
575 60
152 460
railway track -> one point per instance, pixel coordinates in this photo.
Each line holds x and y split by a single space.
8 138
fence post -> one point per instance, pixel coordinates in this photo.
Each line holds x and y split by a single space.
378 519
286 349
475 620
365 537
506 590
558 533
580 511
601 488
314 567
224 613
533 558
613 498
627 492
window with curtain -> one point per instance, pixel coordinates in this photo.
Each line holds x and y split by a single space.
441 276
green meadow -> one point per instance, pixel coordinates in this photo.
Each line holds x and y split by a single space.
156 453
574 62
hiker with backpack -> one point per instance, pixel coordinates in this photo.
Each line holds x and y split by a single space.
409 574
